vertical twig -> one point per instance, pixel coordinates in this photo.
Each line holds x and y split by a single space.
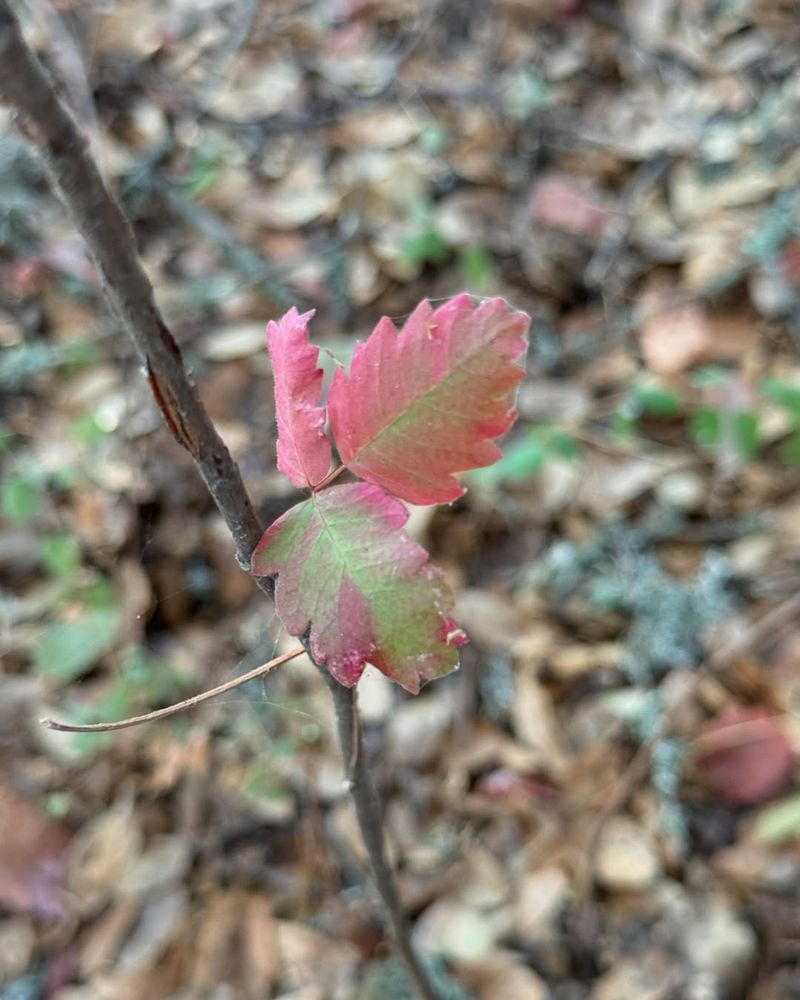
100 220
368 811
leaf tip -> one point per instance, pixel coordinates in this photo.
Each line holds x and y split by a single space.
452 634
303 449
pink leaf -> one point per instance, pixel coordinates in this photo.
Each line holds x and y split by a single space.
745 753
363 589
304 451
419 405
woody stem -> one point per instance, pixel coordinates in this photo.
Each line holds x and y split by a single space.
97 215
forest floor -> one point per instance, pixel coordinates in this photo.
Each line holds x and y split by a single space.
604 802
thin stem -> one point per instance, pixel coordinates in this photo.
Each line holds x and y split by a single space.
370 822
180 706
329 478
108 235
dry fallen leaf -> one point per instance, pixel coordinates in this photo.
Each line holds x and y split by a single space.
673 338
503 976
32 857
457 931
311 959
535 724
571 204
627 857
541 898
102 852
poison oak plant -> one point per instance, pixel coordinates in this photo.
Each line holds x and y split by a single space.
415 407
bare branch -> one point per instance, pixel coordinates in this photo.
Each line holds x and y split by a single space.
180 706
101 222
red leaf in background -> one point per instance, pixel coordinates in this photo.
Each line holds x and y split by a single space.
506 786
304 451
418 405
745 753
31 857
790 263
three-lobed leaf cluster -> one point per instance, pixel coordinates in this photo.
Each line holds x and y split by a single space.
415 407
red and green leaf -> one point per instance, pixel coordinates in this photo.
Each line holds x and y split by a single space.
365 592
418 405
304 450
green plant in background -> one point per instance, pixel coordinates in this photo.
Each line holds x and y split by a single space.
82 608
204 167
22 361
24 484
424 245
433 138
526 456
263 786
787 397
648 399
711 426
21 493
140 679
716 426
526 92
777 225
476 267
61 555
87 628
88 429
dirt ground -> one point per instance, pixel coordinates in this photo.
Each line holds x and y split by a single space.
603 802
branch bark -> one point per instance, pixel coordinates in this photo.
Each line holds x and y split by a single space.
100 220
368 811
104 227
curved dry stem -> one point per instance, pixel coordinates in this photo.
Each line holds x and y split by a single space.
323 484
180 706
